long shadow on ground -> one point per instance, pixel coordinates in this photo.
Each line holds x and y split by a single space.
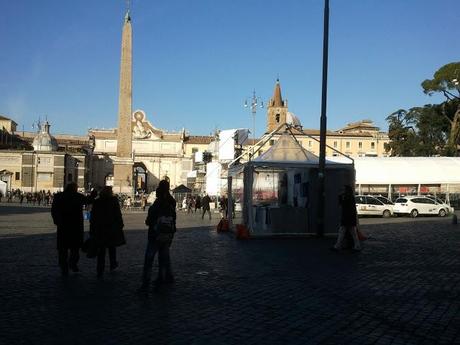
403 287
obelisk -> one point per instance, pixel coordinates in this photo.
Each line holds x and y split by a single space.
123 162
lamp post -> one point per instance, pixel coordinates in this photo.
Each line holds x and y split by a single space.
323 126
253 102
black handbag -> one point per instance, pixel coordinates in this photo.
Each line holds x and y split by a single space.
89 247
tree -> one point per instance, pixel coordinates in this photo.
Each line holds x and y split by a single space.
433 129
446 80
419 131
401 134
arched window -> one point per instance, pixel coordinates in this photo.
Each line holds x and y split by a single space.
277 117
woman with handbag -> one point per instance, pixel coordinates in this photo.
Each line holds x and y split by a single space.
106 228
161 221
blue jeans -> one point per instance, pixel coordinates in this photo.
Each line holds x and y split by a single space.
164 262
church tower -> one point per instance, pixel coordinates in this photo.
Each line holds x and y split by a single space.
277 109
123 162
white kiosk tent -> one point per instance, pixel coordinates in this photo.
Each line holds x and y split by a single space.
278 190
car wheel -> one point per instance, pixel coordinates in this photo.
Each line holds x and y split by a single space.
414 213
386 214
442 212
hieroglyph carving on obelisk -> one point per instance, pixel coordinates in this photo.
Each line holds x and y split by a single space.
123 163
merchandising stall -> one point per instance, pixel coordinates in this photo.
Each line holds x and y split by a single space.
181 192
278 190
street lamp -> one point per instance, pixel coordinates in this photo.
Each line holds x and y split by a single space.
253 102
323 126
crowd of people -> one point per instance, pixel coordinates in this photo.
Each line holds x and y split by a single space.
202 205
40 198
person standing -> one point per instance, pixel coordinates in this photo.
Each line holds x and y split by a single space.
205 205
143 201
348 219
106 228
197 203
161 220
223 205
67 214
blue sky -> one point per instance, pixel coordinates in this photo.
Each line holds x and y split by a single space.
196 61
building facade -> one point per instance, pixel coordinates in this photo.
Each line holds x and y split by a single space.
42 163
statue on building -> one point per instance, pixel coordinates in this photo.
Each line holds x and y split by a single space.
140 129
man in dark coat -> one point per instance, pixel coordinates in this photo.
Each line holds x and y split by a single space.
205 204
348 219
106 228
67 213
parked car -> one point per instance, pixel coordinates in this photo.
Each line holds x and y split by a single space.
367 205
419 205
447 207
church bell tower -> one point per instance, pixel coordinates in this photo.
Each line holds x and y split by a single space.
277 109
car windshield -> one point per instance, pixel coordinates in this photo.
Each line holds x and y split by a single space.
400 200
384 200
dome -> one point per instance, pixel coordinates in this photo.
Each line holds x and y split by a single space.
44 141
292 119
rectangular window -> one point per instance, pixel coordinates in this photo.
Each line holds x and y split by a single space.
309 143
194 149
335 144
17 176
272 142
372 146
44 176
360 145
347 145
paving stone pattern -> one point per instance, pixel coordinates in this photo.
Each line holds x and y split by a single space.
403 288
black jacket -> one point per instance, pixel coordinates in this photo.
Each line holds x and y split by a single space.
160 207
67 213
106 224
348 210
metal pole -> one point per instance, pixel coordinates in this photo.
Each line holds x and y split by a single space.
254 105
323 127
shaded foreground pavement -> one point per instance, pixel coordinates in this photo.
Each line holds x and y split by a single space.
403 288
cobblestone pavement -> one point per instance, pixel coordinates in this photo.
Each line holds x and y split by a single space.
403 288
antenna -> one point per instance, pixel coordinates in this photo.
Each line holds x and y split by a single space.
128 5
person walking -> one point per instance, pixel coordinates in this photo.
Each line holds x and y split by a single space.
161 222
197 203
106 228
348 220
67 214
205 205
